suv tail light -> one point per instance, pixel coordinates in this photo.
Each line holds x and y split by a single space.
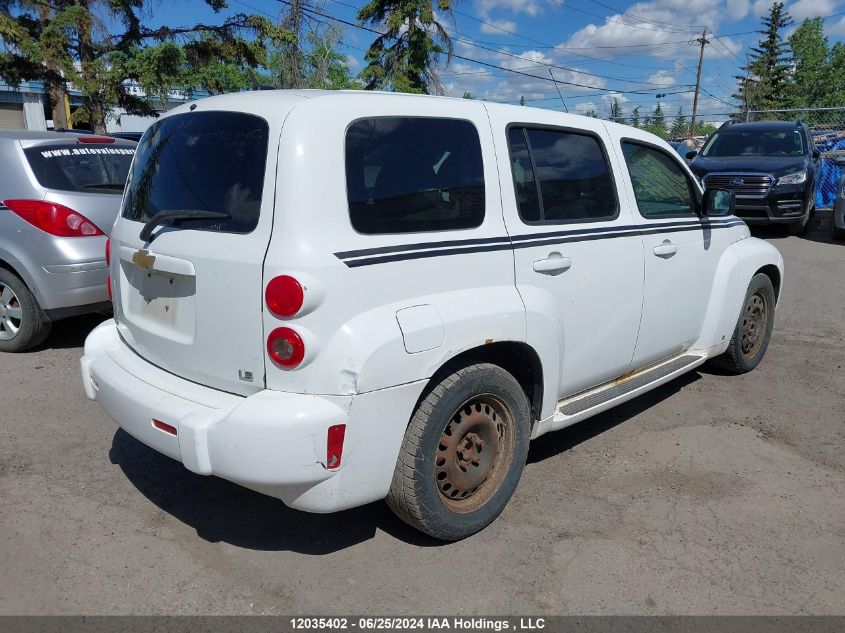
285 347
108 251
284 296
53 218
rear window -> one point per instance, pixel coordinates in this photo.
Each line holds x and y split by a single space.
199 162
414 174
88 168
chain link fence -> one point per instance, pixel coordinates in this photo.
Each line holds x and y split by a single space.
827 126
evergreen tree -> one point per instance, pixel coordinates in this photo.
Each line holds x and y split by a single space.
765 85
468 95
615 110
679 125
635 117
404 58
522 100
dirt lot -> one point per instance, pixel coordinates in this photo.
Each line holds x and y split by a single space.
713 494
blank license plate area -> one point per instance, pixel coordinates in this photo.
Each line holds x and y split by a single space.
163 304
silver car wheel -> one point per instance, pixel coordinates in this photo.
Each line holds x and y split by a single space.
11 313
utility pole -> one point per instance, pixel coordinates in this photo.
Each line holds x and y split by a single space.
703 41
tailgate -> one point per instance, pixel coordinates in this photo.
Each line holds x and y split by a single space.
189 299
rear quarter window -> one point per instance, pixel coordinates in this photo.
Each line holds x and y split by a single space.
414 174
198 162
81 168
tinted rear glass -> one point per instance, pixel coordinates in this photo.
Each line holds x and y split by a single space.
406 175
199 162
88 168
755 143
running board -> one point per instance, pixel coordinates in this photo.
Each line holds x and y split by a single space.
621 389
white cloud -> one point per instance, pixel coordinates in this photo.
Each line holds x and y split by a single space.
662 78
529 7
352 62
811 8
835 29
498 27
761 7
738 9
621 30
586 106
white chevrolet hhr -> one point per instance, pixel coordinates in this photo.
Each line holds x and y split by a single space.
339 297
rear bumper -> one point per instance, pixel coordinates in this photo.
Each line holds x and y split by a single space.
271 442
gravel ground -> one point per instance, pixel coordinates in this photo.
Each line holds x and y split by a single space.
711 495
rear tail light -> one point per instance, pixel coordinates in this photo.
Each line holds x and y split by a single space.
284 296
334 445
53 218
285 347
108 251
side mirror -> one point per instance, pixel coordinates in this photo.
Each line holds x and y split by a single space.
691 154
718 203
816 154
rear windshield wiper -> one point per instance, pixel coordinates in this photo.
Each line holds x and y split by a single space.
184 214
106 185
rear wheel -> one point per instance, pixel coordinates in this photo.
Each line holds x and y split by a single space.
463 452
23 323
753 329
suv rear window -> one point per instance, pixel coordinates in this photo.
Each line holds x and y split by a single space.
414 174
199 162
87 168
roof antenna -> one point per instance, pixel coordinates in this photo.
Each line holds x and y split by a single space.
554 81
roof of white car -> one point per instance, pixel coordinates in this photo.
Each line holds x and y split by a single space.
258 99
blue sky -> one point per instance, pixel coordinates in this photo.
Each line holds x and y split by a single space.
596 49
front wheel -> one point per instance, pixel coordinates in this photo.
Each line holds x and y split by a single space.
753 329
463 452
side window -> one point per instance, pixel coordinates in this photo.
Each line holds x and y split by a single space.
569 175
661 187
527 200
409 174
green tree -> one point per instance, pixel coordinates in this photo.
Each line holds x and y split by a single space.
468 95
615 110
635 117
679 125
766 84
592 114
404 58
656 123
322 65
522 100
67 42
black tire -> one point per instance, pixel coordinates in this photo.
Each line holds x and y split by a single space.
753 330
493 408
31 327
798 228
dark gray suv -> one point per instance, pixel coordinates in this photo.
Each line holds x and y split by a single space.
771 165
59 196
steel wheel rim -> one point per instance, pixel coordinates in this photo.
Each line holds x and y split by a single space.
11 313
754 324
474 453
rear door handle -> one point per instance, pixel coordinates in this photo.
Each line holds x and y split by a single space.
667 249
554 264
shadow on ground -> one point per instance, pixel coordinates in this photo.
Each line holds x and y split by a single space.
221 511
69 333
